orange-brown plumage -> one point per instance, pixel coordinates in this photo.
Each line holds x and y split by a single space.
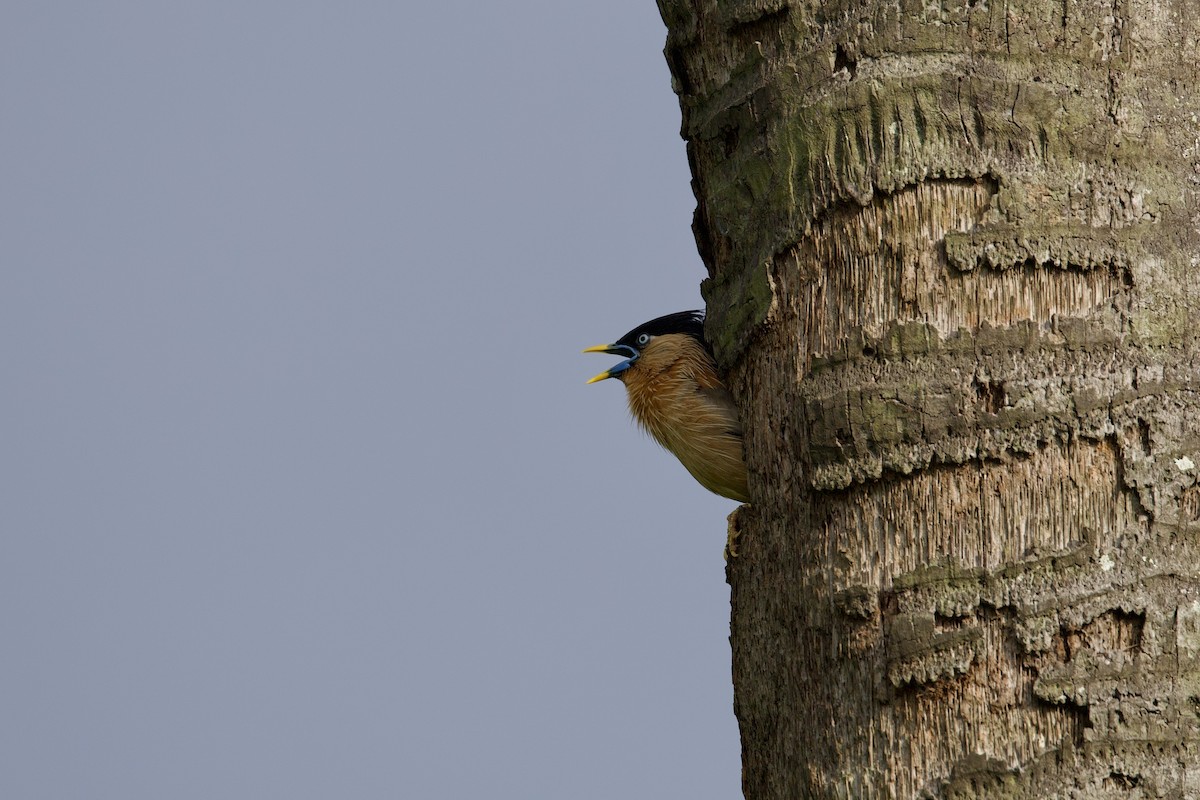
677 395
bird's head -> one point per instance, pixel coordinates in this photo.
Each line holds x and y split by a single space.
642 340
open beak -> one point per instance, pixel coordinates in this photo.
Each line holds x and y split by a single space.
616 350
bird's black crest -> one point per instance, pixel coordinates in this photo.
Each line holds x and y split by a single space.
689 322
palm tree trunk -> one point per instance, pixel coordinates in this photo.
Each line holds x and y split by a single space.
954 269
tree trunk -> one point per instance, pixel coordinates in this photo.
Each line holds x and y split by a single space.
954 269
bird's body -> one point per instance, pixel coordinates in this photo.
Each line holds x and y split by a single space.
677 395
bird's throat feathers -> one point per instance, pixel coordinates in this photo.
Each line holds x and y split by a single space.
663 384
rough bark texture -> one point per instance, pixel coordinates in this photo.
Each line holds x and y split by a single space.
954 259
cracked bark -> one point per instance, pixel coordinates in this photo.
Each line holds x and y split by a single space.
954 270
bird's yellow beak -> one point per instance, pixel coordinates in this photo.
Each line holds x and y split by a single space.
614 349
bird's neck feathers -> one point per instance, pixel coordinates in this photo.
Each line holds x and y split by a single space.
672 352
665 377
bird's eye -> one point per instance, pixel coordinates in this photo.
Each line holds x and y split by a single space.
645 337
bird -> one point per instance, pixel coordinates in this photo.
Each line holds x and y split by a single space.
677 394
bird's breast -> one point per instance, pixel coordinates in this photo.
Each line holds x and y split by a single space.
690 413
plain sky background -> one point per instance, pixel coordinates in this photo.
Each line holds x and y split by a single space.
302 492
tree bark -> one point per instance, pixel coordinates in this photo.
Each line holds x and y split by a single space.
954 272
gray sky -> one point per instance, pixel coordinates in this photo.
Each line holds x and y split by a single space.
304 494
